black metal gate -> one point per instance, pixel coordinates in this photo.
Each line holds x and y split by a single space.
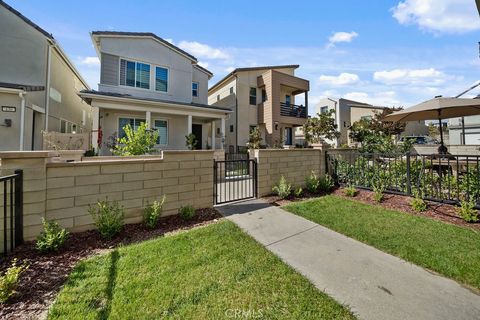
234 180
11 187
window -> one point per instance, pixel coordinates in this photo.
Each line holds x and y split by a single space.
218 97
264 95
231 90
133 122
161 79
63 126
231 128
218 131
134 74
253 96
252 128
194 89
368 118
288 99
162 128
323 110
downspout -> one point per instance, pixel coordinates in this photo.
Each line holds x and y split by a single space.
22 119
236 113
47 82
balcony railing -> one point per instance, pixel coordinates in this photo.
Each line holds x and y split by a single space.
292 110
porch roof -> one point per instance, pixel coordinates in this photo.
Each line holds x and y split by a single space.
148 103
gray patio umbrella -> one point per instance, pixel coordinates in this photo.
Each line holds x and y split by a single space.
438 108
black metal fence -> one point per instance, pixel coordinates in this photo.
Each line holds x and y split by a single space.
436 177
234 180
12 194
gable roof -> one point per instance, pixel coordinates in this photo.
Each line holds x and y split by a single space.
204 70
295 66
26 20
145 35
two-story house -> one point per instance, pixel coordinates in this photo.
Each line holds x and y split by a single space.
39 85
262 97
144 78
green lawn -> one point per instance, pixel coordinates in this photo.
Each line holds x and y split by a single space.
447 249
215 272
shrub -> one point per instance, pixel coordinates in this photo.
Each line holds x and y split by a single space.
135 142
152 213
186 212
378 194
312 182
52 237
468 212
108 218
9 280
283 189
326 183
298 192
417 203
191 141
350 191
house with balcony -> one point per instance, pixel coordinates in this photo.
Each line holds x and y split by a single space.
263 97
144 78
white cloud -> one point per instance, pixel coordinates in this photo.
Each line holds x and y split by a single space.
428 76
385 98
341 37
438 16
203 50
343 78
89 61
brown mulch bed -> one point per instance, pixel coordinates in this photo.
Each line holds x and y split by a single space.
47 272
435 210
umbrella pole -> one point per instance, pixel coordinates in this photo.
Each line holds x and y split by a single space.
442 149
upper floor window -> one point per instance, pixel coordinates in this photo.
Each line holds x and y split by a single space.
161 79
218 97
231 90
323 110
195 89
264 95
134 74
253 96
288 99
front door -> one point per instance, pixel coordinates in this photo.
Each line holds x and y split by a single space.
288 136
197 131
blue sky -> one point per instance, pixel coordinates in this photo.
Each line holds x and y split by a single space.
384 52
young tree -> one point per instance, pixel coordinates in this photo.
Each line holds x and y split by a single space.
321 127
136 142
191 141
360 130
387 128
254 139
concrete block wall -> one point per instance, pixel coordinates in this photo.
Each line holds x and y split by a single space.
294 164
64 191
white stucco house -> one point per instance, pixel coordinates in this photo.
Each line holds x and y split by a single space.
144 78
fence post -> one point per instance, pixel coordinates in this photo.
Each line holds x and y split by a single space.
18 207
409 184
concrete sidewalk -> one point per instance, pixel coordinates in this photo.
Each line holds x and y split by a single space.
373 284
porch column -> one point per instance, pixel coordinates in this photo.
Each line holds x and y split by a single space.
95 127
213 135
222 134
148 119
189 124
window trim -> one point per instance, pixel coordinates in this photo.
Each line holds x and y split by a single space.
151 78
198 87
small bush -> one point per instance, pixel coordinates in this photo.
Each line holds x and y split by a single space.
283 189
377 194
326 183
350 191
312 182
152 213
468 212
52 237
9 280
418 204
108 218
298 192
186 212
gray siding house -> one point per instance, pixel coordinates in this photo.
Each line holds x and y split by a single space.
147 79
39 85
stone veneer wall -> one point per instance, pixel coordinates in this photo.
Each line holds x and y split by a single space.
64 191
294 164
